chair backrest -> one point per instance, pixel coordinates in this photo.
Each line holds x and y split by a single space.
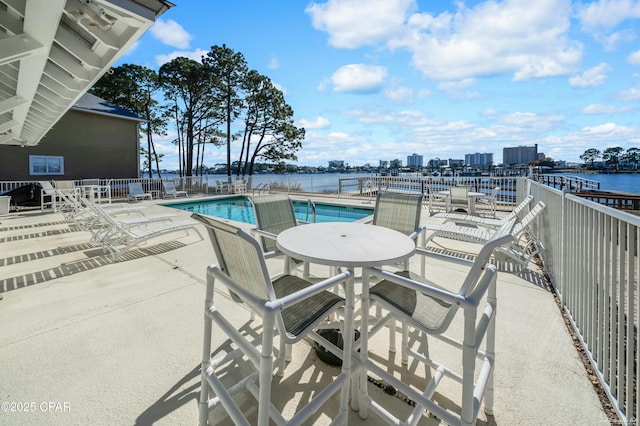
399 211
90 181
501 236
47 187
65 185
526 221
494 192
274 213
459 194
169 186
520 207
240 258
135 188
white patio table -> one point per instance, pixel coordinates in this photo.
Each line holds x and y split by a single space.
347 245
472 195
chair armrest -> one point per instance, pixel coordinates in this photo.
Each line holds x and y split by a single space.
308 292
263 233
418 286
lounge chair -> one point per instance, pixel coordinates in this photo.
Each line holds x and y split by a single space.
171 191
80 211
288 305
137 193
121 238
485 221
520 250
429 309
101 224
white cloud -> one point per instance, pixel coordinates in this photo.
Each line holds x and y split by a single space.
317 123
273 64
528 39
594 109
196 55
355 23
632 94
531 120
634 58
359 78
601 17
400 94
595 76
171 33
607 14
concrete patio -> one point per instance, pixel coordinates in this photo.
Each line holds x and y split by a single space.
88 341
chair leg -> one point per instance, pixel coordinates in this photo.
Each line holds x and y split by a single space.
266 370
206 357
405 344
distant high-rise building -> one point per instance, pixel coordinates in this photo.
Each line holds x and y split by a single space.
414 160
519 155
478 160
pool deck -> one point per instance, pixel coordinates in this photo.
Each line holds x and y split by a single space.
88 341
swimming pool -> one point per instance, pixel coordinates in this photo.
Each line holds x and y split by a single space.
240 209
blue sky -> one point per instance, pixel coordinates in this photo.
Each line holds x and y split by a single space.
375 80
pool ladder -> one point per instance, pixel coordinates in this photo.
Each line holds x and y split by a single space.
311 206
262 187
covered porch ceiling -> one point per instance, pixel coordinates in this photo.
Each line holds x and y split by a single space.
53 51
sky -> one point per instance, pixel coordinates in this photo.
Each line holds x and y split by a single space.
373 80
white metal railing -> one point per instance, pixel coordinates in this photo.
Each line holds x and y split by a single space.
591 257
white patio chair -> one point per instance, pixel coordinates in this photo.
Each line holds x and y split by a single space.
274 213
288 305
95 191
458 196
524 247
240 186
487 222
436 201
491 200
171 191
399 211
429 308
137 193
223 187
48 196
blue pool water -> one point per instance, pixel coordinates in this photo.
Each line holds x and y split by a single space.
239 209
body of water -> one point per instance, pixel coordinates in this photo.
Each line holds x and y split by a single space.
328 182
624 182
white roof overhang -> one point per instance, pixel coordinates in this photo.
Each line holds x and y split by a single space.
53 51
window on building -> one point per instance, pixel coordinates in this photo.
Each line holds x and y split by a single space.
46 165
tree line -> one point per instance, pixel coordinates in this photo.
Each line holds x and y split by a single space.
212 102
613 157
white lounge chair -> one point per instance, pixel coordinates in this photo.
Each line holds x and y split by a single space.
171 191
137 193
122 238
485 221
519 250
